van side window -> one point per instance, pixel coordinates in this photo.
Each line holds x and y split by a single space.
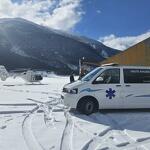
109 76
136 75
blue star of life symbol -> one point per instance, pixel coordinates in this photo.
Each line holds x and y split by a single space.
110 93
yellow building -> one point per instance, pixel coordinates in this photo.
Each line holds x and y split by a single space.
138 54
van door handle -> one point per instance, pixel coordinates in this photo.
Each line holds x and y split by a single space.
118 85
128 85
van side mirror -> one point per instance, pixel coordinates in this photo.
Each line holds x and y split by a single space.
99 79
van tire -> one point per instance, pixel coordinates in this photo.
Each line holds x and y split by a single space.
87 105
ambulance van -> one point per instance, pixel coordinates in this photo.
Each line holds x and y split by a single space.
109 87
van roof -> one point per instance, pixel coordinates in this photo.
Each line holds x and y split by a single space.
126 66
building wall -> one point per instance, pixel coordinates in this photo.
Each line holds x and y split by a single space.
147 52
138 54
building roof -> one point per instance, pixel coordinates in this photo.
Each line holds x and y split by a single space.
138 54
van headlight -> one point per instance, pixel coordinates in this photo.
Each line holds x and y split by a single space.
70 91
74 91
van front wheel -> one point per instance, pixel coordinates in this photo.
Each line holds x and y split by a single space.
87 106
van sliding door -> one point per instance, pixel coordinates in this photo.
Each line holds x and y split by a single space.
136 88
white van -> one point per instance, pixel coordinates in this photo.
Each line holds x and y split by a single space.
110 87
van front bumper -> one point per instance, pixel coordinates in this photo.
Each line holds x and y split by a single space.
69 100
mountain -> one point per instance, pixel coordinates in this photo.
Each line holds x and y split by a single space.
24 44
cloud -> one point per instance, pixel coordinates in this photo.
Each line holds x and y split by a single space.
122 43
57 14
98 11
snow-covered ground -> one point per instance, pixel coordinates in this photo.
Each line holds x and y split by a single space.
28 122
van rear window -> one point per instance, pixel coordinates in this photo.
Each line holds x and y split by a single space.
136 75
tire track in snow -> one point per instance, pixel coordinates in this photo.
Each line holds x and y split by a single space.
28 135
135 144
110 138
103 139
107 134
67 137
66 140
30 91
138 144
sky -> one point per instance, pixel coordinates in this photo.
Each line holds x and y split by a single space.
116 23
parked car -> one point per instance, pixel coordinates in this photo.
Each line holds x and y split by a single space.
109 87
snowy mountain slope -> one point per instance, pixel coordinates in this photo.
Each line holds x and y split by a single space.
24 44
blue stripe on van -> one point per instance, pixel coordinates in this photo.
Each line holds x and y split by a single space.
129 95
90 90
143 96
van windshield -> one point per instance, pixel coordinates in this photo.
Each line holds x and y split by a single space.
91 74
